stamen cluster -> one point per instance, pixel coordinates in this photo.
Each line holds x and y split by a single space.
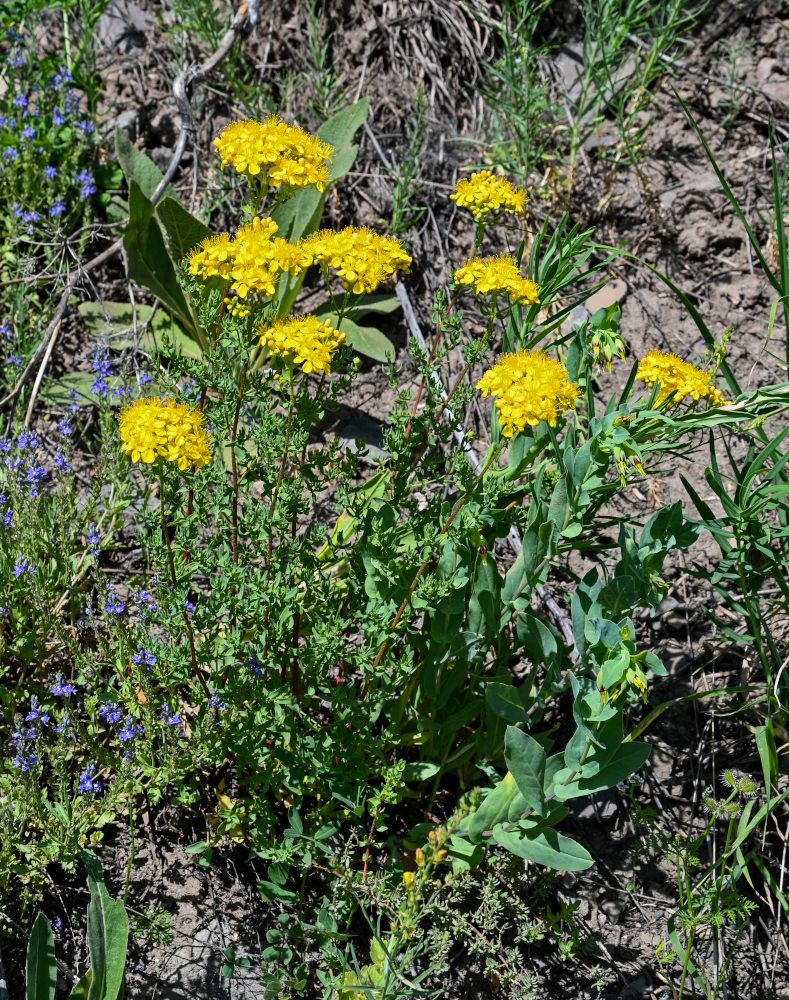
362 258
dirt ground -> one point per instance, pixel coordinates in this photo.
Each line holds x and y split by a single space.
683 225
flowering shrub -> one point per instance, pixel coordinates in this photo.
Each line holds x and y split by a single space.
335 664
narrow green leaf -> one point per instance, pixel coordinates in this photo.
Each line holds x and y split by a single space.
40 971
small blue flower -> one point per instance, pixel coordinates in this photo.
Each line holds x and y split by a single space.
253 665
58 208
26 440
170 718
11 154
12 359
62 77
5 328
113 604
86 126
122 391
23 566
61 688
7 518
28 132
64 427
73 395
20 101
215 702
189 606
24 760
88 783
62 463
57 117
86 180
143 657
144 378
50 173
110 711
57 923
129 730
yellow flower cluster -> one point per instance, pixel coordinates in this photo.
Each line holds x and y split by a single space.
673 374
529 387
492 275
284 154
303 340
361 257
253 260
154 428
484 192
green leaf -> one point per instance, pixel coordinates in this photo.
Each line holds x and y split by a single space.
80 991
626 761
526 760
139 168
181 230
339 130
149 262
366 340
40 970
108 935
504 701
546 847
494 809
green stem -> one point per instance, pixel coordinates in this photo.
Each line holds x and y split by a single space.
234 462
174 579
280 477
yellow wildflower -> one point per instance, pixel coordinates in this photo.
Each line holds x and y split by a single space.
212 258
361 257
154 428
529 387
484 192
281 153
259 257
672 374
491 275
303 340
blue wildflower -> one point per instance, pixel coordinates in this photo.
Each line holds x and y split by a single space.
62 463
61 688
170 718
23 566
12 359
20 101
129 730
110 711
113 604
50 173
86 126
86 180
88 783
64 427
143 657
57 117
58 208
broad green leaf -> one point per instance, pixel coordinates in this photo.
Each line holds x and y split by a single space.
626 761
40 969
108 935
181 230
139 168
149 262
114 319
546 847
504 701
366 340
494 808
526 760
301 214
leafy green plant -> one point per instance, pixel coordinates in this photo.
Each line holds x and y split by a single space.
108 932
